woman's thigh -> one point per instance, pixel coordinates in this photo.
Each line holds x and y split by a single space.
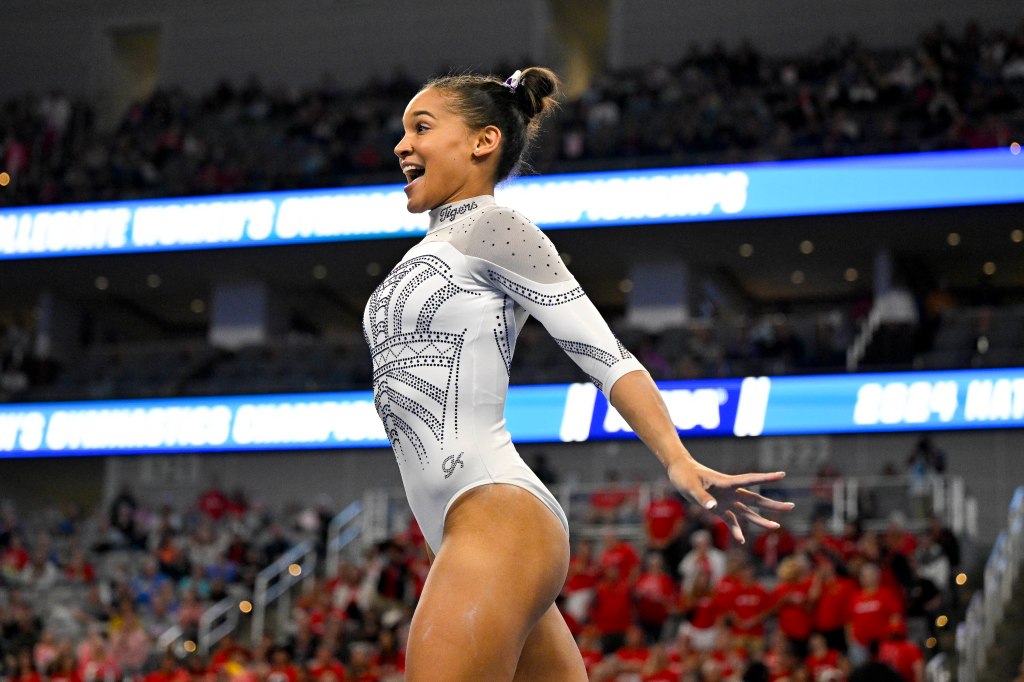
550 653
500 566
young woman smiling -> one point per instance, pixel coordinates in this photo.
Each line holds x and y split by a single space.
441 329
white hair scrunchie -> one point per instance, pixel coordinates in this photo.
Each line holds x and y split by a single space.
512 82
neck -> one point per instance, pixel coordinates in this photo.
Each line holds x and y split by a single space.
457 211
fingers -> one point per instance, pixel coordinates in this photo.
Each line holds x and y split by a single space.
755 518
755 500
745 480
734 526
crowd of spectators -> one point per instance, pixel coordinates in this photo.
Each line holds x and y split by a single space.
16 353
767 344
85 597
713 105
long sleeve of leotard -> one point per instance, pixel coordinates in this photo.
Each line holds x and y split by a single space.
517 258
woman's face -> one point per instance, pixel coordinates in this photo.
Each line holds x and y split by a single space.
436 154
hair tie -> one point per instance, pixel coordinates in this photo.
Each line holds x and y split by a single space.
512 82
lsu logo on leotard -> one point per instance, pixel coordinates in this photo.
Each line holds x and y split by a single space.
453 212
448 465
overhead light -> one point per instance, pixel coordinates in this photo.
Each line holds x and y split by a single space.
153 281
1017 236
626 286
5 179
373 269
102 283
319 271
851 274
989 268
797 277
953 238
746 250
1015 148
806 246
198 306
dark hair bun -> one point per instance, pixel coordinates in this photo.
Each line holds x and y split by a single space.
537 90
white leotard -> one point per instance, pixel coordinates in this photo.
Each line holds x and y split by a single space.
442 327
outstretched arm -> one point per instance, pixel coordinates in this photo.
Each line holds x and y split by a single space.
638 400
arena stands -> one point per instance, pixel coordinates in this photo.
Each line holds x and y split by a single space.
87 595
712 106
657 591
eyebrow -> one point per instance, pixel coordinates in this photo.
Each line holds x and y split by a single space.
425 113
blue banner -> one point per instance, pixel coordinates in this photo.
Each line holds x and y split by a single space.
670 195
754 406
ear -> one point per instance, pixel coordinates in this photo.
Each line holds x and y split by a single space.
486 142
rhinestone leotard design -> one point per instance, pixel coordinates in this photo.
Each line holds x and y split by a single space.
442 329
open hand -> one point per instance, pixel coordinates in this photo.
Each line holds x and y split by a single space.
726 495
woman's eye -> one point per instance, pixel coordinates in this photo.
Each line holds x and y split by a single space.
420 127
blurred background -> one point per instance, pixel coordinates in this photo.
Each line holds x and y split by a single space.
192 486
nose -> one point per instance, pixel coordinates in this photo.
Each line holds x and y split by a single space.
403 148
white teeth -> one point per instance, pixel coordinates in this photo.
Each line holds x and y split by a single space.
412 171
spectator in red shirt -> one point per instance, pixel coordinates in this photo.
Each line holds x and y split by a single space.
325 667
589 643
79 569
820 544
390 653
612 610
213 502
15 557
581 581
822 660
281 667
658 667
169 671
830 596
197 669
62 669
683 658
609 501
664 520
772 546
620 553
749 606
783 664
703 611
872 609
897 538
633 654
729 652
655 593
364 664
26 670
901 655
791 601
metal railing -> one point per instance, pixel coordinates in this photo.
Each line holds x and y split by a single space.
937 669
341 532
274 583
217 622
976 634
871 500
859 346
